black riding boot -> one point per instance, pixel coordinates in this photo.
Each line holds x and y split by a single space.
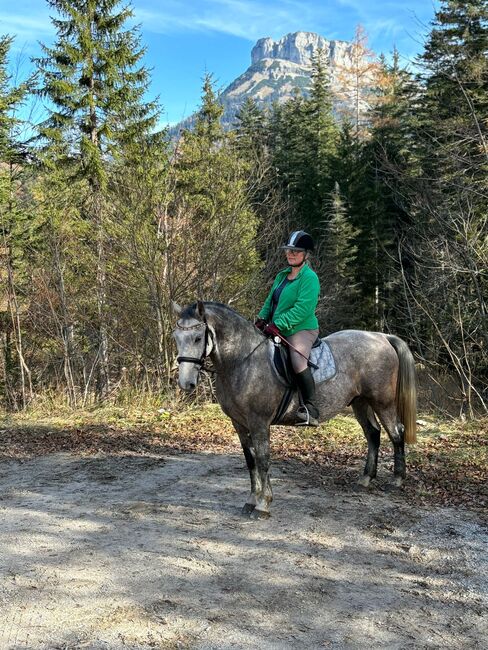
308 414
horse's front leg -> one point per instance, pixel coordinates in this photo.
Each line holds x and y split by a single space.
264 494
249 455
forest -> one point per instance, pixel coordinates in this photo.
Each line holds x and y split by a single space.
105 219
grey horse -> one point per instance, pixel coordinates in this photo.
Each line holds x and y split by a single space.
375 375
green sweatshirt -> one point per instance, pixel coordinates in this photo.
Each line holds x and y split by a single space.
298 300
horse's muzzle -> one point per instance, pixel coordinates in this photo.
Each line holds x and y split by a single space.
187 386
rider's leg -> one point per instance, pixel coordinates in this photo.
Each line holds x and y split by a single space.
306 385
303 342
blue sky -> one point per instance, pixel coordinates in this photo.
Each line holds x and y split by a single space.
186 38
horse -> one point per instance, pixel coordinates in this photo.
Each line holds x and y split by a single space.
375 375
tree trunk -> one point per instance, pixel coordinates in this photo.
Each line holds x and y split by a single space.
66 331
103 379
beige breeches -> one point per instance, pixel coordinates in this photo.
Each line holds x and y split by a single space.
303 342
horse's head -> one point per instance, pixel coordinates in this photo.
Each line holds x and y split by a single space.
193 341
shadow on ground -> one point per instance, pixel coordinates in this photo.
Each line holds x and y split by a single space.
141 551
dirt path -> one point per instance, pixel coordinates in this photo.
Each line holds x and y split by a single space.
139 552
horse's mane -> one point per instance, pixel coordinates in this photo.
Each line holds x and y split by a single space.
218 309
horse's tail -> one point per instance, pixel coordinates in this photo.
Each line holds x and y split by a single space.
406 392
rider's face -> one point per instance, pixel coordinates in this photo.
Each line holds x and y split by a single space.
295 257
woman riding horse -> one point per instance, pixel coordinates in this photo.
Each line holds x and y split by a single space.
375 375
289 312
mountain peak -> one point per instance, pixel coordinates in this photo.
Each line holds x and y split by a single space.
277 69
297 48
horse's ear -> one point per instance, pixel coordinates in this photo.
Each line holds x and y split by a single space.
176 308
201 309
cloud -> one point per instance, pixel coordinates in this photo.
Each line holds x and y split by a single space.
25 24
247 19
386 22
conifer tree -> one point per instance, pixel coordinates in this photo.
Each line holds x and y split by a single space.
288 146
454 108
216 249
449 204
351 172
208 126
304 139
251 134
142 243
321 132
391 168
15 235
93 78
339 251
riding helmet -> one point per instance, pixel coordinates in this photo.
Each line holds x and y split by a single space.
299 241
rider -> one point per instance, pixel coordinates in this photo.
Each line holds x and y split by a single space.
289 310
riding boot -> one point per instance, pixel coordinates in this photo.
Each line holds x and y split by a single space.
308 413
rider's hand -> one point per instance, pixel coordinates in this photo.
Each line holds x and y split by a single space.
272 330
260 323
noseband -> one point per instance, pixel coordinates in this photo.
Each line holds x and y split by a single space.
198 361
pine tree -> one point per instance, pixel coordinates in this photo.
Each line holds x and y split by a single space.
208 125
303 140
251 133
351 172
449 204
216 248
340 252
15 234
454 109
93 77
392 167
288 146
142 244
322 133
392 118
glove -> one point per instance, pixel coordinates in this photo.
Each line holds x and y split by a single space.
260 323
272 330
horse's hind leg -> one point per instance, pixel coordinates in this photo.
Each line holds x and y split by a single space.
249 455
366 418
395 429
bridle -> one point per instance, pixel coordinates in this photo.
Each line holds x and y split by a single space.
206 335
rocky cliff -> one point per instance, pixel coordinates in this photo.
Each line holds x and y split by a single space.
277 67
299 48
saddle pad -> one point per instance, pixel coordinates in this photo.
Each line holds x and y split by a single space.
322 357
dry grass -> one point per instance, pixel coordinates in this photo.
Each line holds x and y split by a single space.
448 465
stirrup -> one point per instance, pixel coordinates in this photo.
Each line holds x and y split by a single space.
305 418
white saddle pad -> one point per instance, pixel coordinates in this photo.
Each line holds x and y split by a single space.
322 357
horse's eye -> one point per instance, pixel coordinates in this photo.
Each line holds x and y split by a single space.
198 339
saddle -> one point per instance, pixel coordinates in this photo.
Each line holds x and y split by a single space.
321 361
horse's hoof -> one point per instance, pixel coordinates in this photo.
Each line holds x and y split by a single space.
397 482
364 481
259 514
394 486
247 508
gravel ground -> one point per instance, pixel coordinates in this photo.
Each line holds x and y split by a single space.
128 551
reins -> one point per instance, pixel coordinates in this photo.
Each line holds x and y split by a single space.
199 361
253 351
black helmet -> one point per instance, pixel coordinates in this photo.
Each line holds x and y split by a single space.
299 241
